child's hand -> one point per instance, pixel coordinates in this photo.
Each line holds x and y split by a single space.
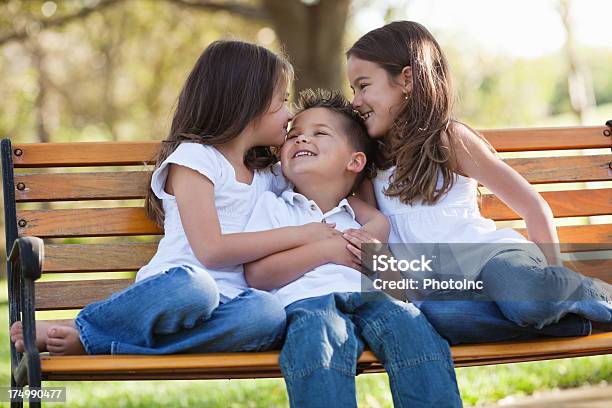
357 237
337 248
318 231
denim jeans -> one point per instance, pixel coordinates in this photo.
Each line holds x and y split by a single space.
521 299
481 321
529 292
327 334
178 311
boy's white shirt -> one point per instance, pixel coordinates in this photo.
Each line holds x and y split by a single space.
294 209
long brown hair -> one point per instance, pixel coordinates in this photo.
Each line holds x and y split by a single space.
231 84
416 144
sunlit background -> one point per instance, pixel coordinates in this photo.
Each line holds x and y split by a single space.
518 28
111 70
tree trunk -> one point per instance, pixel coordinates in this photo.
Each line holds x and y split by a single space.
38 60
312 37
581 91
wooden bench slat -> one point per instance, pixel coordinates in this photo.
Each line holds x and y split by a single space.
601 268
83 222
581 238
134 153
97 257
255 365
97 222
121 185
512 140
540 347
564 169
84 154
60 295
68 258
576 203
118 185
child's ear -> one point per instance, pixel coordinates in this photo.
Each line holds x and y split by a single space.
407 79
357 162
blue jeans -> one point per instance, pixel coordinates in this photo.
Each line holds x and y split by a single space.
521 299
327 334
528 292
480 321
178 311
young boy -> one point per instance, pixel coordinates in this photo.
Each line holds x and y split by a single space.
329 318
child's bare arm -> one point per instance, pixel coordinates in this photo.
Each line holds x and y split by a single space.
477 161
194 194
371 220
279 269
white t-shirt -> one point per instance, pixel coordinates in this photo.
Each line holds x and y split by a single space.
293 209
455 218
234 202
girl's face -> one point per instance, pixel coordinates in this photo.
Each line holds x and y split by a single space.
271 129
377 97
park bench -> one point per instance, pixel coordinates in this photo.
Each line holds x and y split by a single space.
90 183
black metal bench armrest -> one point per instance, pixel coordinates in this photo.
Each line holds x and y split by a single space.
26 258
28 253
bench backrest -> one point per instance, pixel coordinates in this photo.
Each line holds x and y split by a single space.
86 192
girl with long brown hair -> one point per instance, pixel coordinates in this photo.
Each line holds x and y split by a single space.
215 162
429 166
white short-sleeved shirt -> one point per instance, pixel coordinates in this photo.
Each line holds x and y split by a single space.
234 202
294 209
455 218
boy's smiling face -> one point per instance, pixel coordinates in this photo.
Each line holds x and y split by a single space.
317 149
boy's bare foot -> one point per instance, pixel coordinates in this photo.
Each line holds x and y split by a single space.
64 340
42 326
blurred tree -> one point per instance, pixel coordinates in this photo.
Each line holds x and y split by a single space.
310 31
581 93
38 61
496 91
128 58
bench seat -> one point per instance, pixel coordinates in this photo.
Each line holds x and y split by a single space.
265 364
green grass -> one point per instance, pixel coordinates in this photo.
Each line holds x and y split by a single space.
477 385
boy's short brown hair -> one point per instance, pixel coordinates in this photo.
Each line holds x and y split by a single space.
353 125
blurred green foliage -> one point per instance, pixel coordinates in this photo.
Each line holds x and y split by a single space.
115 73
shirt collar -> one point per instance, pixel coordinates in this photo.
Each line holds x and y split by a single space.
342 205
294 198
